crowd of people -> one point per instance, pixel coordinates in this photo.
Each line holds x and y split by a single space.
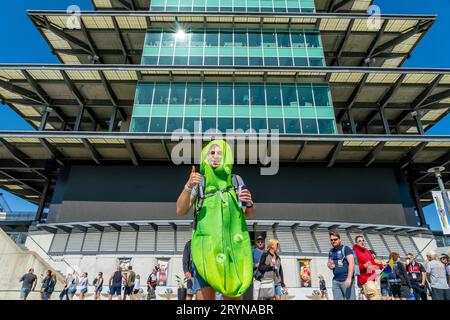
121 285
354 268
378 279
357 274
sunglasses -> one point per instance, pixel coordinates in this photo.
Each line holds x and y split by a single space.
333 240
361 240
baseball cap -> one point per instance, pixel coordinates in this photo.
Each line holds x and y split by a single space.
443 256
431 253
259 238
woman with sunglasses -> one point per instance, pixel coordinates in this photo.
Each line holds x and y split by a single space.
270 268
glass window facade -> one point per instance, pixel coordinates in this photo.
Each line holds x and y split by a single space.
233 47
293 6
290 108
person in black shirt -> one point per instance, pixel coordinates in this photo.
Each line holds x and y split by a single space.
48 285
417 277
399 281
115 284
187 269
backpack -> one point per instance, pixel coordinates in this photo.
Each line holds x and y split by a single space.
394 278
236 182
51 283
132 279
356 271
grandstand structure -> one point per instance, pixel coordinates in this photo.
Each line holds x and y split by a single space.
326 74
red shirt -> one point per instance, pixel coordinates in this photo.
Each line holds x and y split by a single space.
364 256
415 271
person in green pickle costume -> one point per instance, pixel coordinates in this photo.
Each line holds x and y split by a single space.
220 247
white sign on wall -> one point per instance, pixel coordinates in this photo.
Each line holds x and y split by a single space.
442 213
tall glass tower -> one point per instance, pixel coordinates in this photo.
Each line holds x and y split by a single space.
327 74
247 104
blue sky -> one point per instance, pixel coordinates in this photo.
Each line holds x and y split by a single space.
25 45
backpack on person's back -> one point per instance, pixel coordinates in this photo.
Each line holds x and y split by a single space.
394 276
131 279
50 286
236 182
356 271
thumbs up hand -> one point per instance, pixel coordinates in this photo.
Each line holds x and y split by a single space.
194 178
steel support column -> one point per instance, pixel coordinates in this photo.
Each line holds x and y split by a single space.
416 199
417 118
43 200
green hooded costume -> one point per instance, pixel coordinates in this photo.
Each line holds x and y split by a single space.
220 246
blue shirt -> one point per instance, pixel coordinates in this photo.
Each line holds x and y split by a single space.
340 270
257 253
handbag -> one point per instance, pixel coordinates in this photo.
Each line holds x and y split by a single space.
267 289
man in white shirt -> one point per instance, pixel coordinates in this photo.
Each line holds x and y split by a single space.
438 278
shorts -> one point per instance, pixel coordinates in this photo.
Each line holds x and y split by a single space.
278 290
372 290
99 289
115 290
199 282
128 290
84 290
135 291
399 291
71 291
24 292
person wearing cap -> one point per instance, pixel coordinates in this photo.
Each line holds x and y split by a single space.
438 278
258 250
445 260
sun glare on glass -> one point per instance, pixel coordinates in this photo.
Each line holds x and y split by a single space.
181 34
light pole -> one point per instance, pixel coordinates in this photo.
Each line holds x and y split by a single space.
437 173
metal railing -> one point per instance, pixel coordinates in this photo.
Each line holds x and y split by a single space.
52 259
19 237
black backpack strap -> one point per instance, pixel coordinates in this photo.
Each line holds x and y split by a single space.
236 182
200 199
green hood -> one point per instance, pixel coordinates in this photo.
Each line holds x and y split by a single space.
220 245
220 177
